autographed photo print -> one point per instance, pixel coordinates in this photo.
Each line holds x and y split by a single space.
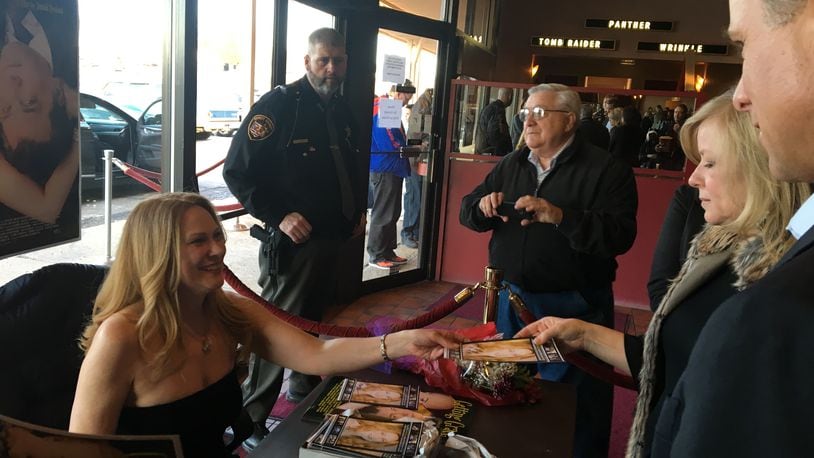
380 393
510 350
371 435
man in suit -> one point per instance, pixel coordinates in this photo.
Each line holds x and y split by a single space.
748 389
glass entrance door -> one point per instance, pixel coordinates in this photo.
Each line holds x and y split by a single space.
400 153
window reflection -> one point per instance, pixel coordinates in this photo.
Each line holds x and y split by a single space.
431 9
641 129
476 19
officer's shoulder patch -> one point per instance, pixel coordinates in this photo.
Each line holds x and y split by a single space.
260 127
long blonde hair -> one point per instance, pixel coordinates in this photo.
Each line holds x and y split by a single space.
147 271
768 204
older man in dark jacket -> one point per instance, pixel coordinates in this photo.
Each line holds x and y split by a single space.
560 211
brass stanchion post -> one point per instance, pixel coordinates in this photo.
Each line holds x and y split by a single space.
493 283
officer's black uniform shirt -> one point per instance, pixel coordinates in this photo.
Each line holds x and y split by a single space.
280 160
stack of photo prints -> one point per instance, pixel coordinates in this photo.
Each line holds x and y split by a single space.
507 351
359 418
341 435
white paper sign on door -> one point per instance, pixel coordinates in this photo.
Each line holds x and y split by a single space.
389 113
394 68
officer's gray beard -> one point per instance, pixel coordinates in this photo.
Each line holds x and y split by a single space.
322 86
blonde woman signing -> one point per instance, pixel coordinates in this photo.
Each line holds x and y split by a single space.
165 339
746 213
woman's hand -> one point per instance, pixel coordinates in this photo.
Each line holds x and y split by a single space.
569 332
421 343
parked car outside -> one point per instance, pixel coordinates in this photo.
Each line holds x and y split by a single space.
133 139
103 126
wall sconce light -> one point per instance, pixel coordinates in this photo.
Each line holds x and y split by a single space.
533 70
699 83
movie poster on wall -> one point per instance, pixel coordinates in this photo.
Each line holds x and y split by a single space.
39 164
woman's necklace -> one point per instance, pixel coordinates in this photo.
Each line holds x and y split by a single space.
206 340
206 344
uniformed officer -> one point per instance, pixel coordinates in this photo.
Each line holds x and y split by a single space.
293 165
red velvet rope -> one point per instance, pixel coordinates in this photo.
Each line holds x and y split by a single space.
211 167
135 173
228 207
143 172
601 371
593 368
146 178
313 327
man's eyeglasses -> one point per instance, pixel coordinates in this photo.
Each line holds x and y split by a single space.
537 113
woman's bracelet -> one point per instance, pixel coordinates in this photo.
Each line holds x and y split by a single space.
383 348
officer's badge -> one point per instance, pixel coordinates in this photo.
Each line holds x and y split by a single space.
261 127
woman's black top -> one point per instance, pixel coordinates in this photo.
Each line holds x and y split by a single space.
680 330
199 419
684 219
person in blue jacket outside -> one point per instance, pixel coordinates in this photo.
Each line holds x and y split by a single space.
388 169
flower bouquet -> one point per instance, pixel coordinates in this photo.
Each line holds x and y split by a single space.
492 384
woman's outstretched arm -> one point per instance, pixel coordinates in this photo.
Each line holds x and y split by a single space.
573 335
283 344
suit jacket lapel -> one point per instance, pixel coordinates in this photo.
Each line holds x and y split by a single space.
803 244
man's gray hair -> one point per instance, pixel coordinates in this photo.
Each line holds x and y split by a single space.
566 98
327 37
780 12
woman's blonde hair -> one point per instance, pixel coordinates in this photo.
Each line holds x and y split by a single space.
147 271
768 204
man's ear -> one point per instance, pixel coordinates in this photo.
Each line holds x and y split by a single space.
572 122
307 61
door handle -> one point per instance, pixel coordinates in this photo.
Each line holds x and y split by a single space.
431 165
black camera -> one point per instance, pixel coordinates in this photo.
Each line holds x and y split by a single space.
507 209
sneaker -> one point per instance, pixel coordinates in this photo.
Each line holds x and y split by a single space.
383 264
409 243
397 260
